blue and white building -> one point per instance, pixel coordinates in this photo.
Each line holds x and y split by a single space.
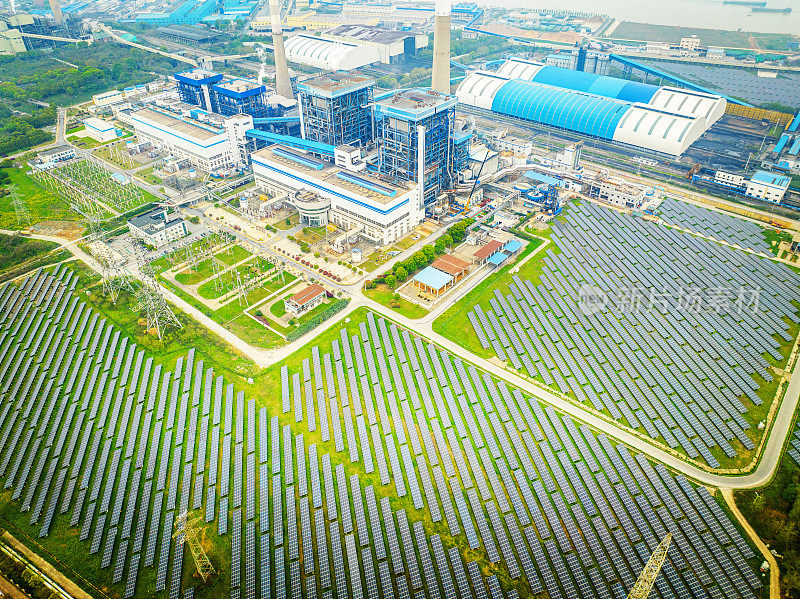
99 130
360 203
767 186
666 120
211 142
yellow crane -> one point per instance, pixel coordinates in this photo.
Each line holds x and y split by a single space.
647 578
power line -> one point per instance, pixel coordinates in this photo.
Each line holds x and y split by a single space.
20 207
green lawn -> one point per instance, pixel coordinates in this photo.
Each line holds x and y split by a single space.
22 254
282 225
83 142
385 296
42 203
279 308
233 255
75 129
201 272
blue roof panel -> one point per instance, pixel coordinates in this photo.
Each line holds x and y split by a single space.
497 259
581 112
609 87
433 278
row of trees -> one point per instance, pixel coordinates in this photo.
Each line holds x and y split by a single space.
424 257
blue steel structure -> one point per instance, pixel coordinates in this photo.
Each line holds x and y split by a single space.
794 124
194 87
784 139
335 109
207 90
396 121
242 96
577 111
291 141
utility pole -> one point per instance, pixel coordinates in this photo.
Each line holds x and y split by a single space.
193 533
647 578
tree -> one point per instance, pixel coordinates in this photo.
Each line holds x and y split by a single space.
304 247
438 247
401 273
288 222
391 281
429 252
447 240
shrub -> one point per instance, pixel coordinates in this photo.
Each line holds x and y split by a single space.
391 281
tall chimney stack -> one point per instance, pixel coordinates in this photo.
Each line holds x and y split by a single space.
283 86
440 81
58 16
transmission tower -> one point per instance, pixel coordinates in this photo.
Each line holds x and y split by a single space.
20 207
241 291
150 300
217 266
647 578
193 532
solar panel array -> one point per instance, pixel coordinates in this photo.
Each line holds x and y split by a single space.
507 473
794 445
719 225
675 341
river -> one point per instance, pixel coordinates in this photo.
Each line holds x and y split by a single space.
711 14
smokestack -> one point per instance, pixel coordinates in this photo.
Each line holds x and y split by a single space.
282 84
440 80
58 17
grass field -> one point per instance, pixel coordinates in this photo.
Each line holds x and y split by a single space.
282 225
233 255
42 204
22 254
385 296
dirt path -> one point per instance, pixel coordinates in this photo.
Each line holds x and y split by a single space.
774 574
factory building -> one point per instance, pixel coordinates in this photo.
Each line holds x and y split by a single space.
157 227
211 142
767 186
412 128
335 109
329 55
99 130
188 36
207 90
615 119
671 99
181 12
393 46
370 206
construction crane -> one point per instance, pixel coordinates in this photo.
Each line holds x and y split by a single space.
475 183
193 532
647 578
693 171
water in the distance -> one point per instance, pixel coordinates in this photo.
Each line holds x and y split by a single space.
710 14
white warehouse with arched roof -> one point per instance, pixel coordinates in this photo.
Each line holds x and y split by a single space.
672 99
624 120
329 55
